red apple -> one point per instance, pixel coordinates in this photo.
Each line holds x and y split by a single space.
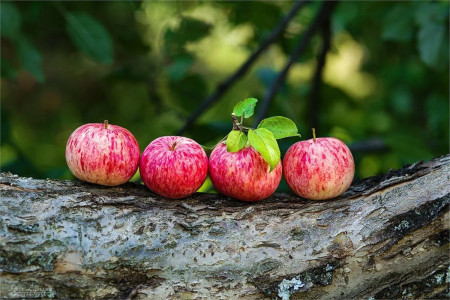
319 169
102 153
174 166
244 174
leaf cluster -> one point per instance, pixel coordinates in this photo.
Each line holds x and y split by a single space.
85 32
264 138
430 19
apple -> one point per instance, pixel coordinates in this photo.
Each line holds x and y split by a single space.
174 166
244 174
319 169
102 153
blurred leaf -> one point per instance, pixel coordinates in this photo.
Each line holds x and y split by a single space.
189 30
402 101
431 12
178 69
429 42
263 15
5 128
7 154
443 56
30 58
380 121
267 76
408 148
7 70
398 24
281 127
345 13
436 108
9 20
90 36
432 40
189 91
245 108
32 12
236 140
172 44
265 143
341 134
192 30
369 166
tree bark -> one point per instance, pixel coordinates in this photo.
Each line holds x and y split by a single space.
386 237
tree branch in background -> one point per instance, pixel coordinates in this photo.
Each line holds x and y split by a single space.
314 101
369 146
323 14
224 86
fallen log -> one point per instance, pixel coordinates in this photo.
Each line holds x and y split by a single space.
386 237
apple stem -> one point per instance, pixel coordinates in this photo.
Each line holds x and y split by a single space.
106 124
235 122
314 134
237 125
173 146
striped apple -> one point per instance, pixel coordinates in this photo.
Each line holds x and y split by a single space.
102 153
174 166
319 169
244 174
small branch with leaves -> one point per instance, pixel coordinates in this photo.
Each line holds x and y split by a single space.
263 138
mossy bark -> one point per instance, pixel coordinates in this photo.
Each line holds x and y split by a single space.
386 237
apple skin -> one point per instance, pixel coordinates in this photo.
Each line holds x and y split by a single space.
319 170
103 156
243 175
173 166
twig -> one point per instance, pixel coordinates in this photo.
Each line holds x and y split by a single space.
369 146
322 14
224 86
314 101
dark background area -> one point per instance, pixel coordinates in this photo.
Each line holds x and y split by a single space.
147 66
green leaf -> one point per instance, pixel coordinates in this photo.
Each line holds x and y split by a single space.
236 140
30 58
90 37
281 127
398 24
429 41
9 20
265 143
245 107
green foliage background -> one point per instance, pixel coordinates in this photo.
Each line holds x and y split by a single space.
147 65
